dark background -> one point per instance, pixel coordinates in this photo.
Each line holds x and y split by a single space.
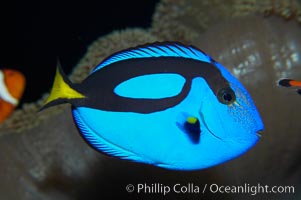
33 34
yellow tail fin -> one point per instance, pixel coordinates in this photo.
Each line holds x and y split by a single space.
62 90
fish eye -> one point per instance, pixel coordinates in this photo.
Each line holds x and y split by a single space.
226 96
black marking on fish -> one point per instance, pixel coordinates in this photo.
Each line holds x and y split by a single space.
99 86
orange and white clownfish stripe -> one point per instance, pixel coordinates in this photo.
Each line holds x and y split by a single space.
12 85
4 93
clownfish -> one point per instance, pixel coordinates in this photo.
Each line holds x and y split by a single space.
12 85
285 82
164 104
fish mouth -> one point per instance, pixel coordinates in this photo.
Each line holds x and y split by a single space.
259 133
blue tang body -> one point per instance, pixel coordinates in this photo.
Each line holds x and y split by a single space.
163 104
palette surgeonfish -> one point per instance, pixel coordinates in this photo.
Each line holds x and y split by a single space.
286 82
12 85
165 104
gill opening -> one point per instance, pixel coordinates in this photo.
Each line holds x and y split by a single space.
203 120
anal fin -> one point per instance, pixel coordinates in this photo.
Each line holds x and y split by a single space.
102 145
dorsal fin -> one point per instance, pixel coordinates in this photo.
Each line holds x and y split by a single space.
158 49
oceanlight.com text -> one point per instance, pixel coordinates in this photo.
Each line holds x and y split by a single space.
251 189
